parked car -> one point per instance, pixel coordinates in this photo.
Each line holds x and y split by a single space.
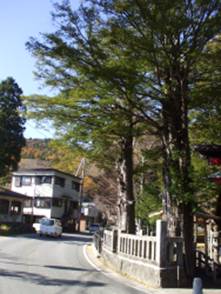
48 227
93 228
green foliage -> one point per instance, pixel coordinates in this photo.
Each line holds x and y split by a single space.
11 125
129 68
149 201
148 175
205 126
95 110
205 190
64 157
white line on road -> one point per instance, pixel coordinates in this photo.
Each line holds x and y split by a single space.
88 259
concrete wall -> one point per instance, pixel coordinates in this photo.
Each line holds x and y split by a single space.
146 273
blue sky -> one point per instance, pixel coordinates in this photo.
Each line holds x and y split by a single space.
19 20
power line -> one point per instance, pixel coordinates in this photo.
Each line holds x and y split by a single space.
37 130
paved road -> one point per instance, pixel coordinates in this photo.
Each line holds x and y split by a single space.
30 264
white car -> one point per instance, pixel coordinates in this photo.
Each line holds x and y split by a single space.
48 227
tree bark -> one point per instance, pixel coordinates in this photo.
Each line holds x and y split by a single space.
121 181
129 170
126 197
189 250
177 165
218 211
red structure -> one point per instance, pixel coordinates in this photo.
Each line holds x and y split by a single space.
214 160
213 155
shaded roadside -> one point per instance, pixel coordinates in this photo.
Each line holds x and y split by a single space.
100 264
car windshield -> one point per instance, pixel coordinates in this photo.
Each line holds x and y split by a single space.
47 222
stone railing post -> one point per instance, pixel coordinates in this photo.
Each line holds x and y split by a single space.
161 243
197 286
115 241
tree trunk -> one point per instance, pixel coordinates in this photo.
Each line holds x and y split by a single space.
129 169
121 181
169 203
126 201
218 211
177 164
189 250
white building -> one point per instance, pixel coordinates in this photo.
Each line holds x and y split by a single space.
54 193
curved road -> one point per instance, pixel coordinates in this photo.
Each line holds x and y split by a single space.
30 264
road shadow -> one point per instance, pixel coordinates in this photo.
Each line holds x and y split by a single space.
56 267
46 281
69 268
70 238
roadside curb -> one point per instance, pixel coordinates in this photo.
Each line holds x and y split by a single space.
98 263
95 259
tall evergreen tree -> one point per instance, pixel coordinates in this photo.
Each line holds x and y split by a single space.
11 125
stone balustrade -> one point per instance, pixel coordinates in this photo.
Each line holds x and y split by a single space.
157 259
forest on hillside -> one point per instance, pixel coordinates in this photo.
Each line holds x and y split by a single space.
36 149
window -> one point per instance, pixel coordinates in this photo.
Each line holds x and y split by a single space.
43 180
26 181
15 207
60 181
22 181
4 206
17 181
28 203
73 204
57 202
76 186
42 202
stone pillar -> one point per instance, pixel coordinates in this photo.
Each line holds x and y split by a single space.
161 234
115 241
197 286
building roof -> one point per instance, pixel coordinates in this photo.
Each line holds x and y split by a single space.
211 150
44 170
9 193
207 215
